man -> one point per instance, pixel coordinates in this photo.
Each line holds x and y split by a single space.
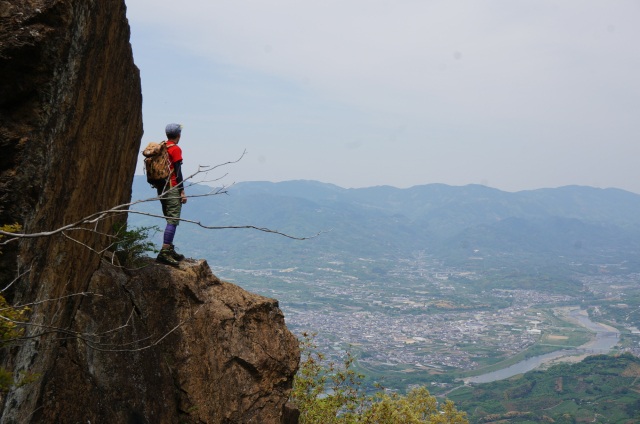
172 197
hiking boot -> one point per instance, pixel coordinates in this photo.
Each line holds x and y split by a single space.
165 257
175 255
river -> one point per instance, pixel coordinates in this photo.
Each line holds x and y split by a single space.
606 337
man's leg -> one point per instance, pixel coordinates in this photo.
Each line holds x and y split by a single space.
171 208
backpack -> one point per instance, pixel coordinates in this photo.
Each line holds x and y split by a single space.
157 165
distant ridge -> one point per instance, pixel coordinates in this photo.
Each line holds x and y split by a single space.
580 202
556 226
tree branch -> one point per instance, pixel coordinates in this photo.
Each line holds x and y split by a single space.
96 217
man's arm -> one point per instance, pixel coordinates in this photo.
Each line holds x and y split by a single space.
177 168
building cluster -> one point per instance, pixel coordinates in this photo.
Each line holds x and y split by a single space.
413 323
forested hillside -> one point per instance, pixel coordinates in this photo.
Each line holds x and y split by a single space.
551 231
601 388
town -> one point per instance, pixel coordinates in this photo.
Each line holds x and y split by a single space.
419 317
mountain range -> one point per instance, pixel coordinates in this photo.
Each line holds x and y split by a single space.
572 227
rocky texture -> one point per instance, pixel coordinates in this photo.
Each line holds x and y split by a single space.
70 127
70 130
186 348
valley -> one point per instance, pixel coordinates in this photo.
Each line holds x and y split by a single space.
428 285
423 325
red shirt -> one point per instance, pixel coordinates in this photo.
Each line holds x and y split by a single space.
175 155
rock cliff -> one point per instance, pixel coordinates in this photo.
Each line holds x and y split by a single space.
160 345
70 131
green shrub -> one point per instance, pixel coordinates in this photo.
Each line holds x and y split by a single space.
131 245
11 324
331 394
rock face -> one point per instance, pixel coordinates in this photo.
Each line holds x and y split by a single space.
70 130
161 345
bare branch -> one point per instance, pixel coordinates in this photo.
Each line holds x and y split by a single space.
156 342
97 341
96 344
229 227
206 169
126 324
99 252
39 302
126 208
15 279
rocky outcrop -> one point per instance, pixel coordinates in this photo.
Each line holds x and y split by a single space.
70 130
161 345
158 345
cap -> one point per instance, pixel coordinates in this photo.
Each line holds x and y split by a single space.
173 130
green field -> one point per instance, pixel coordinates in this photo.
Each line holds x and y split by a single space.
602 388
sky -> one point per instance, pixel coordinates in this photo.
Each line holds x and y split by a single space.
515 95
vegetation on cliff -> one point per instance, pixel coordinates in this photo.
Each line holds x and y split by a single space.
332 394
11 319
132 244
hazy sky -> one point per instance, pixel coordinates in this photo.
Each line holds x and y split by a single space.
511 94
